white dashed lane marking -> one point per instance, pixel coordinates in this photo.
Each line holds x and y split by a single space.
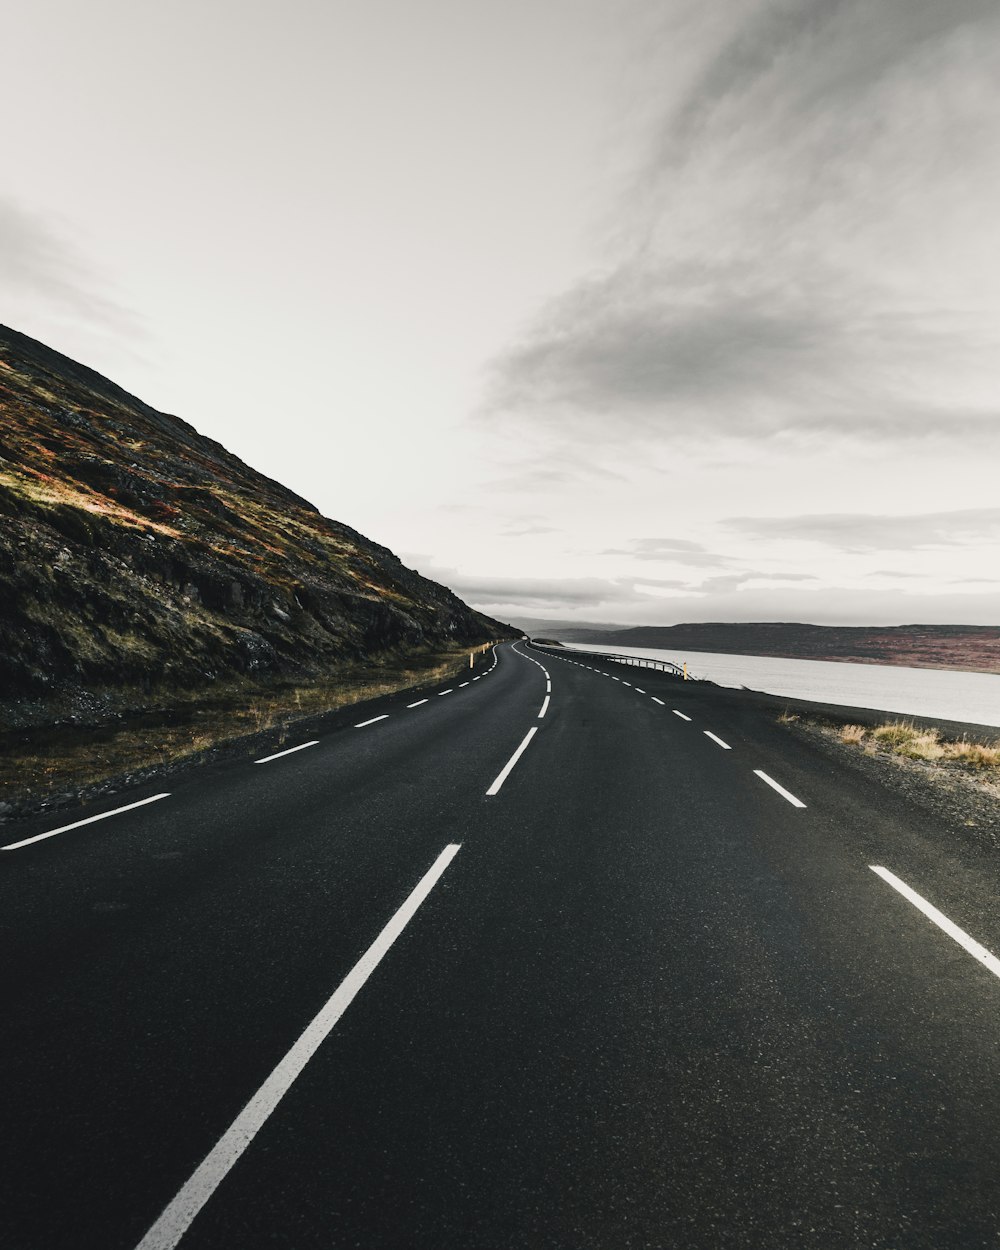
77 824
978 952
268 758
177 1216
780 789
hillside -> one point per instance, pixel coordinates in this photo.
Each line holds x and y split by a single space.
139 559
975 648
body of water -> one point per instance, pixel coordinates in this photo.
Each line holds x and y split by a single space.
941 693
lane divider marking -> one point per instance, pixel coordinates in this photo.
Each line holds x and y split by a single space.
656 700
545 707
462 684
680 714
177 1217
419 703
989 961
638 691
384 716
291 751
785 794
505 772
708 734
40 837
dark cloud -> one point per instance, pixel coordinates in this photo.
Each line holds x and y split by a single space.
861 532
849 44
526 531
803 257
668 550
37 262
651 548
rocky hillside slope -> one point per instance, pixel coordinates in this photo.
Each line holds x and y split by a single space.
138 557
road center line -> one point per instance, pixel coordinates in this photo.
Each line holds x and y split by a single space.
638 691
954 932
656 700
462 684
420 702
708 734
545 707
680 714
443 692
505 773
780 789
384 716
291 750
39 837
178 1216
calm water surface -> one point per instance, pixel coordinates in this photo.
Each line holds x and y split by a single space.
973 697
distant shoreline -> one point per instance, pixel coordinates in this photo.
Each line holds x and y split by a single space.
963 648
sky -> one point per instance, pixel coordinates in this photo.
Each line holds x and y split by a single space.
594 310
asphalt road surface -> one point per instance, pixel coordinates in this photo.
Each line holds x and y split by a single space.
567 955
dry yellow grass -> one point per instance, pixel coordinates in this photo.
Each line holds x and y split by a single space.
912 742
69 762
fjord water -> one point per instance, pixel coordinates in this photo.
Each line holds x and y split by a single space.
943 693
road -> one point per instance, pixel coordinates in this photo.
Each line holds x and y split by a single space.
538 960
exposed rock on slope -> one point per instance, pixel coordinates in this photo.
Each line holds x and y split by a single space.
136 554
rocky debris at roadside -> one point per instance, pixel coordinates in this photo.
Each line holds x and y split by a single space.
965 800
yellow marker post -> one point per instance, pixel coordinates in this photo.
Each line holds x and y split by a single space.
685 670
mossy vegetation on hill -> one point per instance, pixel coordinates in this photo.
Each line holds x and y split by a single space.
138 558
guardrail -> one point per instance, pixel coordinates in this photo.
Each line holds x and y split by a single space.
633 661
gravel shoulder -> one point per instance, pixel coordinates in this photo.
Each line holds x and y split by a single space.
964 800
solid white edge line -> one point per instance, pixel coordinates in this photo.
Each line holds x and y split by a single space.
958 935
708 734
362 724
680 714
785 794
505 773
545 707
656 700
419 702
291 751
178 1215
39 837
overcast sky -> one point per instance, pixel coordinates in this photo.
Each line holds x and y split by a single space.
593 309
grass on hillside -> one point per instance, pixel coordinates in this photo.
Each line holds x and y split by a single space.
53 766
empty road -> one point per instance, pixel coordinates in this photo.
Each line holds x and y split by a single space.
560 954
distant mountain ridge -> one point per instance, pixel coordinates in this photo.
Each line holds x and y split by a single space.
975 648
135 552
